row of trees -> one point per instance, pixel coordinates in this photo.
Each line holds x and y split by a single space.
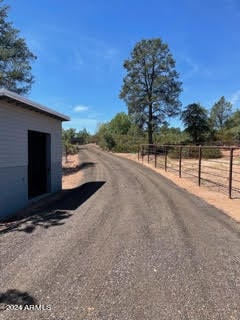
151 89
219 125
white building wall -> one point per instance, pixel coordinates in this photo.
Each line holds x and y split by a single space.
15 122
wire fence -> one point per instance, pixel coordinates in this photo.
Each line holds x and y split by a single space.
215 167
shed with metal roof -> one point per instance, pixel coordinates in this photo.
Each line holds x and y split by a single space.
30 151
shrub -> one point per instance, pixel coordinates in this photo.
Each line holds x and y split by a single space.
128 148
193 153
69 149
211 153
74 149
109 141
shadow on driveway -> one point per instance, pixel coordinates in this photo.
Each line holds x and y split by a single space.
15 297
51 212
82 166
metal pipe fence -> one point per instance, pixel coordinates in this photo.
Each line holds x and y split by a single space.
218 167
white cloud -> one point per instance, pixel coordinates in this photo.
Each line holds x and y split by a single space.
235 97
80 108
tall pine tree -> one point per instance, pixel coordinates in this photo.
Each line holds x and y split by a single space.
151 86
15 57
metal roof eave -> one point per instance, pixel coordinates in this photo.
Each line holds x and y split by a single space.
24 102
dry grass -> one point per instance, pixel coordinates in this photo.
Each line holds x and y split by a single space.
214 172
70 181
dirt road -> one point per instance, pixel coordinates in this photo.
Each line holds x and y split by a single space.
127 244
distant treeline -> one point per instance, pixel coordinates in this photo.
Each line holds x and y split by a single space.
218 126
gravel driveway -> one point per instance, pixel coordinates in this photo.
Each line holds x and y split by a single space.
127 244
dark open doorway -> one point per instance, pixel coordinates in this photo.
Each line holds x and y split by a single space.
38 163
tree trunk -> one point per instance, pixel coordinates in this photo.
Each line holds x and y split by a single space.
150 126
150 134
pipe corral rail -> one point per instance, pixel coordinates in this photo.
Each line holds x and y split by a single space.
209 165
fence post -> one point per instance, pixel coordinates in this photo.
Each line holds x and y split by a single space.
230 173
148 153
138 151
165 159
180 162
199 165
142 150
155 156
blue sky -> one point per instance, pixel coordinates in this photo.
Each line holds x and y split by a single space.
81 46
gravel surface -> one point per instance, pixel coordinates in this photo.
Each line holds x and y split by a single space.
210 194
126 244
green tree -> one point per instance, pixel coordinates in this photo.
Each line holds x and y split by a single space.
151 88
82 136
195 119
233 120
15 57
220 113
171 135
102 132
67 136
109 141
232 128
120 124
118 136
